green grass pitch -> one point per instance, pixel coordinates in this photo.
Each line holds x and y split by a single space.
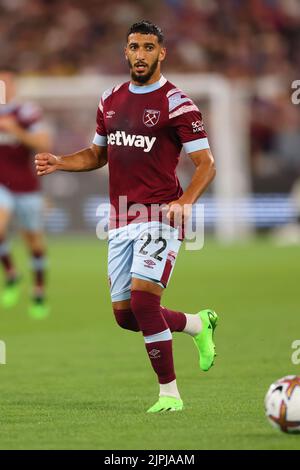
77 381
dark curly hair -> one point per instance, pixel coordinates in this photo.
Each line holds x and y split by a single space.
146 27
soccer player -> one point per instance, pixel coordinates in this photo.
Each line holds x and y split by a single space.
141 128
22 133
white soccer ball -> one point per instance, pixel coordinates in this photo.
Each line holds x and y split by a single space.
282 404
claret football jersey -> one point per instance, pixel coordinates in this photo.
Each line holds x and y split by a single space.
16 159
145 128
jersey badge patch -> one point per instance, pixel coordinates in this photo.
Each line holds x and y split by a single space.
151 117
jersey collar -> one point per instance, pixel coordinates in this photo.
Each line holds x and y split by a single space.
147 88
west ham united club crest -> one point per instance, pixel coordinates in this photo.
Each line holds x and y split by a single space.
151 117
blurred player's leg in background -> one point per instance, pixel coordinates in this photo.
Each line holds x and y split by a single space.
29 209
10 293
37 251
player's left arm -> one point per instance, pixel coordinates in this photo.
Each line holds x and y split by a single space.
204 174
186 120
38 139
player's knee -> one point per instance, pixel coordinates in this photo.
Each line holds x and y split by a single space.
136 304
126 320
146 309
142 302
34 241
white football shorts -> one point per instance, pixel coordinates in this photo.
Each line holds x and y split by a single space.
146 251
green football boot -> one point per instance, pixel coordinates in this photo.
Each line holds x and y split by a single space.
166 404
204 340
11 293
39 309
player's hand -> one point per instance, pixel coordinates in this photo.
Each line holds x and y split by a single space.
45 163
178 212
8 124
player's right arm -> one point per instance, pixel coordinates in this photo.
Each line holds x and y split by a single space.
87 159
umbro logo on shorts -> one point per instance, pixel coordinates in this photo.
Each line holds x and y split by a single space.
120 138
149 263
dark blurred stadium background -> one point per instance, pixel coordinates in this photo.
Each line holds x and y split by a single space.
254 46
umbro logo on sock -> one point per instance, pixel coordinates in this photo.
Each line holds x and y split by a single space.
154 353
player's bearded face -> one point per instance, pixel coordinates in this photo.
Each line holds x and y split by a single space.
141 71
144 55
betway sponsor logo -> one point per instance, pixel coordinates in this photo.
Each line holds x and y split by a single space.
122 139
